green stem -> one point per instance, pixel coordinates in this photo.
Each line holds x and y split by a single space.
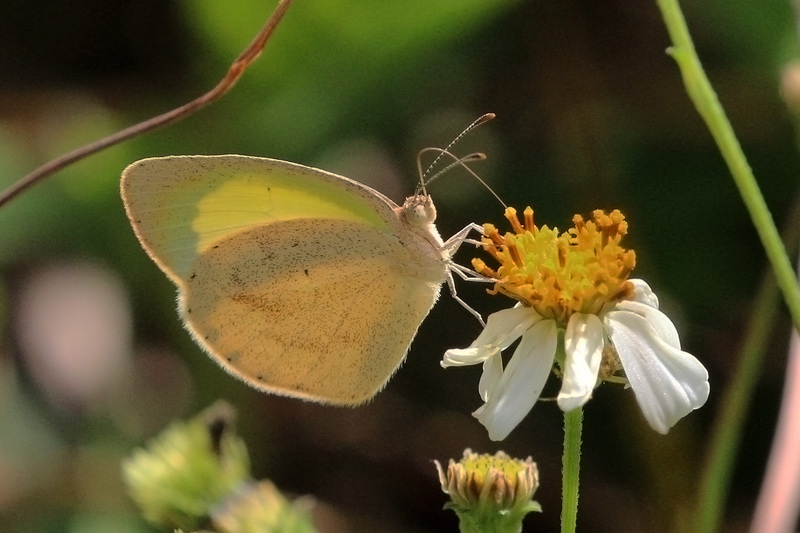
727 430
735 403
573 425
705 100
481 522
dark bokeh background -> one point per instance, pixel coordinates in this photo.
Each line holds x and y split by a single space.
591 113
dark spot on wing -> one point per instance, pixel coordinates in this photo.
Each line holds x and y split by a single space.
300 387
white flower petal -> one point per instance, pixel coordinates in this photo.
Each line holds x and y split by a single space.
502 329
469 356
583 343
506 326
643 293
660 322
492 372
668 383
521 382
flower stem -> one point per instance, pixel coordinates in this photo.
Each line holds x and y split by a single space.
571 466
485 523
707 104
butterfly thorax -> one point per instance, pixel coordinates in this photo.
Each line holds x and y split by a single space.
418 214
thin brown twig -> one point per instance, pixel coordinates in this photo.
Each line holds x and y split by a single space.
235 71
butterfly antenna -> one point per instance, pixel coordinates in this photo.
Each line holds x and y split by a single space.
480 120
460 161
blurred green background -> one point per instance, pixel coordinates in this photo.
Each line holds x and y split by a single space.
591 114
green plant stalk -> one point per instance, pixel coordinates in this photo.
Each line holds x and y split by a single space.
482 522
728 426
705 100
727 431
571 467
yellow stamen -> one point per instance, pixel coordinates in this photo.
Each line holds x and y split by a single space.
511 215
492 233
513 251
529 219
581 270
482 269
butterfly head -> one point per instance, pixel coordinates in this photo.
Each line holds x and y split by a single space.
419 211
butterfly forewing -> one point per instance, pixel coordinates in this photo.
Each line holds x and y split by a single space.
180 205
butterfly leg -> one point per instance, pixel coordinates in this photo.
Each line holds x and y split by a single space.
452 244
451 284
467 274
449 248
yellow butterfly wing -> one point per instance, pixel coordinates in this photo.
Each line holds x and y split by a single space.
320 320
179 205
297 281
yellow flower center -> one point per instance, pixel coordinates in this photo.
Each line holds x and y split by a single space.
583 270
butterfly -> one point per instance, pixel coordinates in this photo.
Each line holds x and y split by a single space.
298 281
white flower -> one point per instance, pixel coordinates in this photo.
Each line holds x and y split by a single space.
668 383
617 325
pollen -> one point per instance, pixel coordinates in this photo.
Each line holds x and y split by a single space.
583 270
